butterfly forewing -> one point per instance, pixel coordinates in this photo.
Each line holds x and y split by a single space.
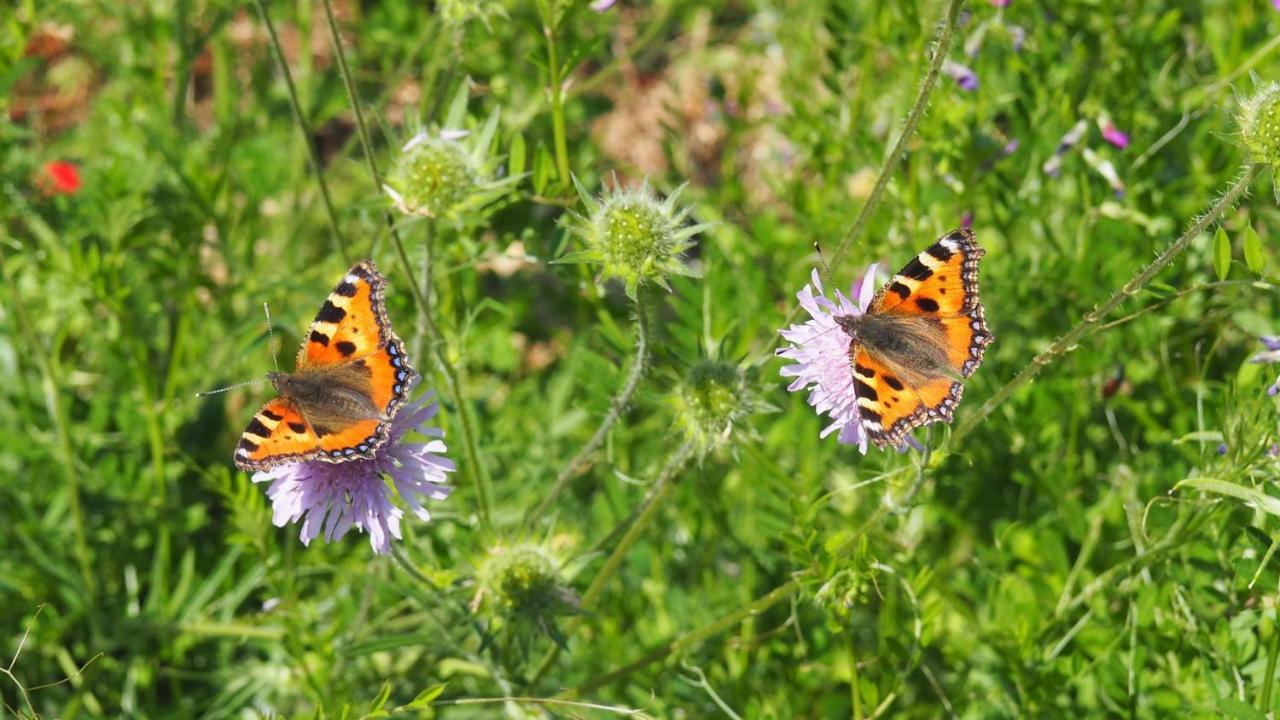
939 288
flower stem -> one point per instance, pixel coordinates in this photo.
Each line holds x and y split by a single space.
853 678
941 46
556 90
476 469
1067 342
1268 681
313 155
693 637
891 160
660 491
616 408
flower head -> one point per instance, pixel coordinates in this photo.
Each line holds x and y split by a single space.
634 236
712 401
334 497
964 75
523 587
1270 355
820 350
1259 121
1112 134
59 177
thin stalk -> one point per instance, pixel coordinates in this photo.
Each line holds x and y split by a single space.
661 490
1067 342
616 407
693 637
1268 682
313 154
476 469
853 678
556 90
891 160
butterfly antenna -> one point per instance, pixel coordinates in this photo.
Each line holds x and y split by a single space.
271 339
231 387
825 269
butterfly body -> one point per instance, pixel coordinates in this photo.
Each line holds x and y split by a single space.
923 332
352 375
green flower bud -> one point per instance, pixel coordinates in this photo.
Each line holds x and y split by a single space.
712 401
634 236
522 586
433 176
1259 121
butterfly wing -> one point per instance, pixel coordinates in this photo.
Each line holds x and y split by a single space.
388 377
352 344
351 323
892 406
942 283
277 434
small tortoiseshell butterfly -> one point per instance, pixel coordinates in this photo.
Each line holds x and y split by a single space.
923 331
351 377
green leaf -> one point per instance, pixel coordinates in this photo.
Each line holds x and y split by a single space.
1253 257
1250 496
515 156
544 168
380 701
457 115
426 697
1236 708
1221 254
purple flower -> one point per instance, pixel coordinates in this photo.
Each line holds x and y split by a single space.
1222 448
602 5
1275 4
966 221
1271 355
333 497
820 350
964 75
1019 36
1112 134
1005 3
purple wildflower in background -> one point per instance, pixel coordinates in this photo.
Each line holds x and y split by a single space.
820 350
334 497
1222 448
1019 36
1271 355
964 75
966 221
1112 134
602 5
1053 165
1005 3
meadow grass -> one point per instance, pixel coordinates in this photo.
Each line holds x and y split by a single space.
644 522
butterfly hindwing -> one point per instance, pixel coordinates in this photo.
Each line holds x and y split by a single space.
389 376
942 283
892 405
278 433
351 323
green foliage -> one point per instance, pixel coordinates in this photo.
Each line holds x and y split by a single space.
1102 544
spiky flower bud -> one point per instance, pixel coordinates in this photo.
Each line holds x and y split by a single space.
712 401
1259 121
432 176
634 236
522 587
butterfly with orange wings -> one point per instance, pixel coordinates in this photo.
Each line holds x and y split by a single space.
351 377
923 332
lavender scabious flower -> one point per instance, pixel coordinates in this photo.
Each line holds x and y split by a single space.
820 350
1271 355
964 75
333 497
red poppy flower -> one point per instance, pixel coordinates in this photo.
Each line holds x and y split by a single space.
60 177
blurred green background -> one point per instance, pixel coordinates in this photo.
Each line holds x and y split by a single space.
1040 568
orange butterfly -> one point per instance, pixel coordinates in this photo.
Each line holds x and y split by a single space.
923 331
351 377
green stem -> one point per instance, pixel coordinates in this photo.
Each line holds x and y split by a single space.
476 469
313 154
1067 342
941 45
694 637
1268 681
853 678
556 90
616 407
661 490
